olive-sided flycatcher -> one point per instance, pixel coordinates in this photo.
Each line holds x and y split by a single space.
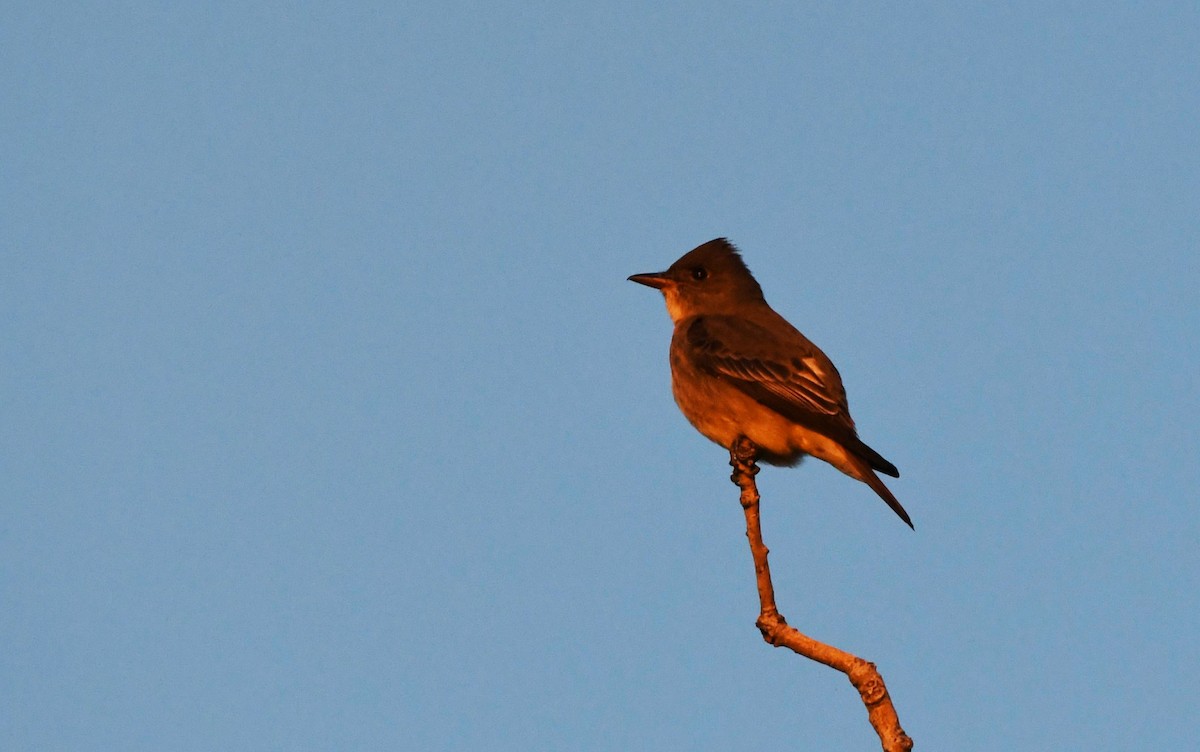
738 368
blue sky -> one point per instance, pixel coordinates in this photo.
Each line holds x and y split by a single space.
330 420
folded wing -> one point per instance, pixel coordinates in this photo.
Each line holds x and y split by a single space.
790 376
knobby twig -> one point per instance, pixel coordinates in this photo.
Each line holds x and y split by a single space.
775 630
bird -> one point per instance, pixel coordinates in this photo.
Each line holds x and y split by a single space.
739 369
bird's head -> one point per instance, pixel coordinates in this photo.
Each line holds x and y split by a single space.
709 279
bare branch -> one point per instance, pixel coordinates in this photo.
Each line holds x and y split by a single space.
775 630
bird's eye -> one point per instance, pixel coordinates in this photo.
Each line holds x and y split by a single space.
699 274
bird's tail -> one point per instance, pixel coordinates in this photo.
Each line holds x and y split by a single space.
872 480
874 459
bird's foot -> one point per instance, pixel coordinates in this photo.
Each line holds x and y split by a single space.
743 450
743 458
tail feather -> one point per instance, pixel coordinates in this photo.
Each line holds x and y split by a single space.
875 459
877 486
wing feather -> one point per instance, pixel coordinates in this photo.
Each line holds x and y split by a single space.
783 371
790 376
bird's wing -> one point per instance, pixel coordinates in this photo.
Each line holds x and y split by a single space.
782 370
786 373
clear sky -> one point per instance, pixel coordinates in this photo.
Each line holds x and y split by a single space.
331 422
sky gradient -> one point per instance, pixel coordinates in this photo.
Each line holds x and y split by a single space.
331 422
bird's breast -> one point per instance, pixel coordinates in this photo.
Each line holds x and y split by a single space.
723 413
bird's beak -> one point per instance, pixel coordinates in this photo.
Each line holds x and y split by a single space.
657 280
